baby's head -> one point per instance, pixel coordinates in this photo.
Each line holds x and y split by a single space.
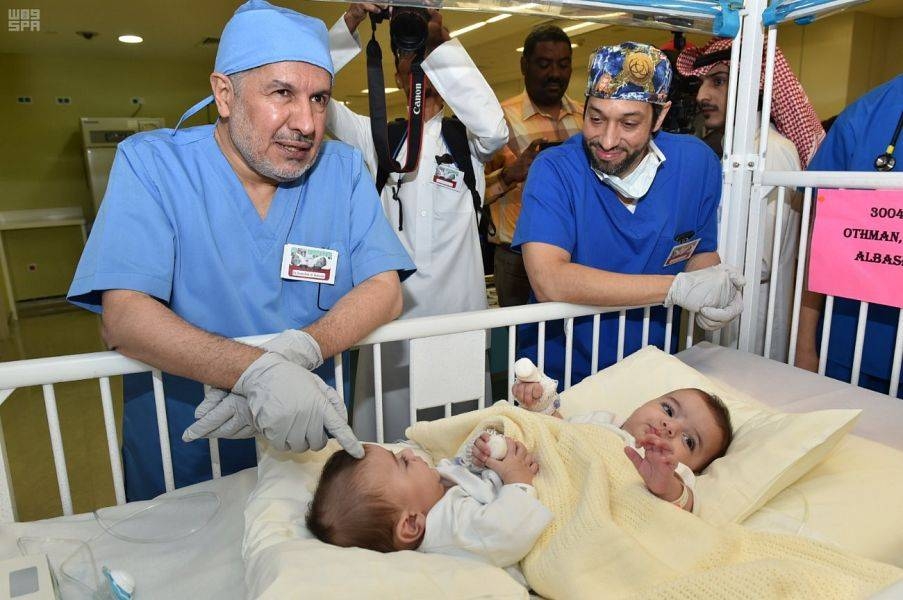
379 502
696 424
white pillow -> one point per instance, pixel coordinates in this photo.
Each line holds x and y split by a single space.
769 451
847 501
283 560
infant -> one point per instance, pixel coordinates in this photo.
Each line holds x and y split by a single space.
395 501
669 439
486 508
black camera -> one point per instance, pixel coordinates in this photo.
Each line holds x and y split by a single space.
408 28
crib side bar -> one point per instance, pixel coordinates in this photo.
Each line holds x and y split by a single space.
622 327
860 339
378 393
56 444
669 328
691 319
568 350
828 314
512 350
773 276
802 251
163 429
594 365
109 423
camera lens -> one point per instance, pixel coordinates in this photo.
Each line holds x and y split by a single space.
408 29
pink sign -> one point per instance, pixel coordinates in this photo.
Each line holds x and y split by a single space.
857 245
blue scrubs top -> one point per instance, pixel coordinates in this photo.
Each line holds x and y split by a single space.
176 224
566 205
859 135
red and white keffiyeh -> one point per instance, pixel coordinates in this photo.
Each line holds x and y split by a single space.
791 111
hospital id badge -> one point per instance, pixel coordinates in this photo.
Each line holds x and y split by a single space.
681 252
447 176
305 263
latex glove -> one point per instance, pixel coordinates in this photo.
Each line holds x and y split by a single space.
221 415
225 415
713 286
293 408
712 319
285 402
297 346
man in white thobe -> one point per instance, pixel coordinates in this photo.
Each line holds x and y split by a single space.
438 226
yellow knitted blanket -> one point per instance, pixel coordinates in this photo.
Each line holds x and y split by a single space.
612 538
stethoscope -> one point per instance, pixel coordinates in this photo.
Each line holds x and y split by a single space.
886 161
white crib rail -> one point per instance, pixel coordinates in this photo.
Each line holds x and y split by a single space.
47 372
809 181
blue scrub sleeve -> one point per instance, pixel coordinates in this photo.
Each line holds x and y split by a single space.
547 214
836 149
375 247
131 245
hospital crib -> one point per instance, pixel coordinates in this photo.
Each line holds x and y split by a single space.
448 365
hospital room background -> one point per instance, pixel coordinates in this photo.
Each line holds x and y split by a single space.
72 66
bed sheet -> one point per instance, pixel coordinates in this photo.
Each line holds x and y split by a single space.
846 499
793 390
206 564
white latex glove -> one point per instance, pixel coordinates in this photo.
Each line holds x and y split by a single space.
297 346
712 319
713 286
221 415
285 402
225 415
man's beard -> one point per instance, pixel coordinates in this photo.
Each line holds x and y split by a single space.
614 169
252 148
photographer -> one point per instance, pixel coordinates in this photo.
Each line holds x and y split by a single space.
430 208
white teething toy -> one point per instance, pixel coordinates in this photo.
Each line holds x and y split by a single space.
498 447
526 372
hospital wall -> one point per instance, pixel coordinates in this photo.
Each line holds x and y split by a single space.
44 166
840 58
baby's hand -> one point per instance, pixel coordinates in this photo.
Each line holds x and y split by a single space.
527 393
486 446
657 468
518 466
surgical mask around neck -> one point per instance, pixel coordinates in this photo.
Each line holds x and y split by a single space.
638 182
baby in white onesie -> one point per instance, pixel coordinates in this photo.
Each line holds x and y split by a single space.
668 439
395 501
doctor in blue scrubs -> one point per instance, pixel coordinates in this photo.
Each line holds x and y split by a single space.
252 225
624 214
863 138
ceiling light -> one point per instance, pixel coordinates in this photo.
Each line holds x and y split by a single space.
498 18
469 28
131 39
388 90
578 26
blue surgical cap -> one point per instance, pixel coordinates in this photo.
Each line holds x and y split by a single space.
259 34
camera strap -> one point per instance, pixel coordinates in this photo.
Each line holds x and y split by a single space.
378 121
